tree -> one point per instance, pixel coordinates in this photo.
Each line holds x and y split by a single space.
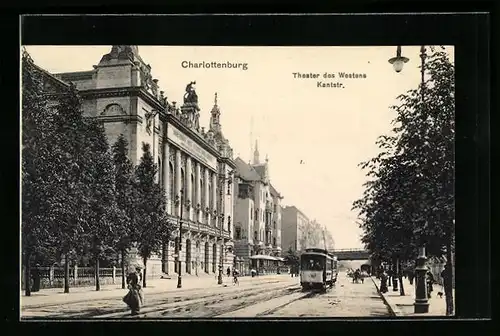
291 258
151 219
330 242
409 199
68 190
54 204
37 130
125 198
311 235
104 217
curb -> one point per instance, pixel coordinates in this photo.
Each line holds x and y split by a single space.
392 310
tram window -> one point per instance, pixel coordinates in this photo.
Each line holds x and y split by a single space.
312 263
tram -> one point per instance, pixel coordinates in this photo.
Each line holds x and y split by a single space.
318 269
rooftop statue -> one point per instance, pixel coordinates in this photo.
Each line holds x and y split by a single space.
190 97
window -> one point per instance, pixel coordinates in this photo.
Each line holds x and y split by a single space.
193 191
183 183
210 194
274 241
255 235
160 173
238 232
274 225
251 213
202 190
312 263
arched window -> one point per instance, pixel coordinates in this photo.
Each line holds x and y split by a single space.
238 232
255 235
274 241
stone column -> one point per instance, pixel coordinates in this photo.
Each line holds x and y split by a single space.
214 196
198 190
187 176
178 177
207 196
165 172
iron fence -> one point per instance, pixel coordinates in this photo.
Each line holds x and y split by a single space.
53 277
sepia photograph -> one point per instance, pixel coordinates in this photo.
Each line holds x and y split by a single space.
224 182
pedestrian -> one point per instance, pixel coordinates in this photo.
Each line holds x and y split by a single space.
411 276
383 282
133 298
430 281
228 271
235 277
35 275
445 276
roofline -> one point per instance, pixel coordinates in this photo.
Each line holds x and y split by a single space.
49 74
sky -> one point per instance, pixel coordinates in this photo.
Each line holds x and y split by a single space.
313 136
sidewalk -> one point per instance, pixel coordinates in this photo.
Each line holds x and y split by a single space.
54 296
403 305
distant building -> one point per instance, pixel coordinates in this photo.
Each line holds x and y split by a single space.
257 211
121 92
293 223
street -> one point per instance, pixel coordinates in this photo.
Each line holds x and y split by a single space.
271 296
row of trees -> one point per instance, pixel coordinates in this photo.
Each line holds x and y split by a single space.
313 234
409 200
79 196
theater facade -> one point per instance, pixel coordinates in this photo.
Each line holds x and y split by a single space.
195 163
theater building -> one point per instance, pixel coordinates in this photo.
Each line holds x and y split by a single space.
121 92
257 211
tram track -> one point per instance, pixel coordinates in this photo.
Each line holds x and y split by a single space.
155 303
212 306
307 295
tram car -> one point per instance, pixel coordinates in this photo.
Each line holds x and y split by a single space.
318 269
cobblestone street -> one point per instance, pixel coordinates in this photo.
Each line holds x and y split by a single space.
269 296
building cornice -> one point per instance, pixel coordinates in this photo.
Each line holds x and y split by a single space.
129 118
170 118
133 91
77 75
230 162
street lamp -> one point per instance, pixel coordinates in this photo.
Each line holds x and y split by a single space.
221 260
398 61
178 202
421 304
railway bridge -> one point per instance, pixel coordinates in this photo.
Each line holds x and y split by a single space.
351 254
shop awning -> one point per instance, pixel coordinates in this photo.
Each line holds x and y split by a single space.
263 257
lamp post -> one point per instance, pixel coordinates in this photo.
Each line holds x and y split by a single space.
179 202
421 304
221 260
